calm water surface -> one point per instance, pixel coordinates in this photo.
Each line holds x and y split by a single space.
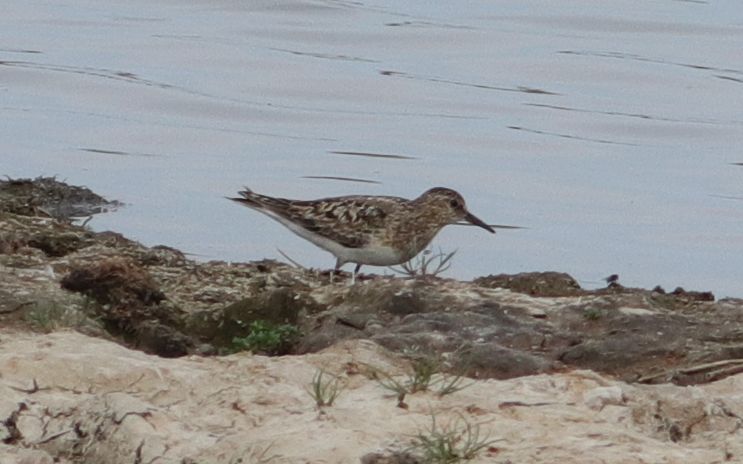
610 130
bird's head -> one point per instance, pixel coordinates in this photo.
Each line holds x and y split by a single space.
450 206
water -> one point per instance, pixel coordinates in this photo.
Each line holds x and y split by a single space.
608 129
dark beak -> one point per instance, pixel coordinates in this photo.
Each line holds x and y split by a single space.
472 219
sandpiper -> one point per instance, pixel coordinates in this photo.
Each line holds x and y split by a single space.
375 230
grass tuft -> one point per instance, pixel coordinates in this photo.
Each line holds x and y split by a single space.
449 384
425 375
449 444
325 390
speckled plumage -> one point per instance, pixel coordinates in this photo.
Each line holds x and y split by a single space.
375 230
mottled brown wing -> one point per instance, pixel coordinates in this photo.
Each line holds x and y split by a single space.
350 221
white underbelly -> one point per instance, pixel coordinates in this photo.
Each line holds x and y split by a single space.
374 255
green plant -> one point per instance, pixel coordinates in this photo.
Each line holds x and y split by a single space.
424 369
267 338
426 264
50 315
592 314
323 390
458 440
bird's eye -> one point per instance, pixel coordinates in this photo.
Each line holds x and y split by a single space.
454 204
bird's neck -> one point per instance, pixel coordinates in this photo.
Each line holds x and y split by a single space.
417 228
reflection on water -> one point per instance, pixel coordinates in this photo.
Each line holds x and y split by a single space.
101 151
326 56
569 136
372 155
626 56
439 80
345 179
612 137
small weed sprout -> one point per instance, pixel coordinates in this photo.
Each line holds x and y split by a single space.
267 338
457 441
400 389
325 390
426 264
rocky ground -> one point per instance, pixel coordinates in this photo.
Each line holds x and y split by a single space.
111 351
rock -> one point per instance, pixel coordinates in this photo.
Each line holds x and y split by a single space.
154 337
275 306
50 197
392 458
489 360
15 455
600 397
534 283
90 401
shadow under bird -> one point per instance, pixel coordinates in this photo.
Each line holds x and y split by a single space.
374 230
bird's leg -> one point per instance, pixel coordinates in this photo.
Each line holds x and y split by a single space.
337 269
355 271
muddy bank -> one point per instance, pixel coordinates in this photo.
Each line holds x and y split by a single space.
56 273
540 369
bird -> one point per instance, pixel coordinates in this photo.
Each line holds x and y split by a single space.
366 230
